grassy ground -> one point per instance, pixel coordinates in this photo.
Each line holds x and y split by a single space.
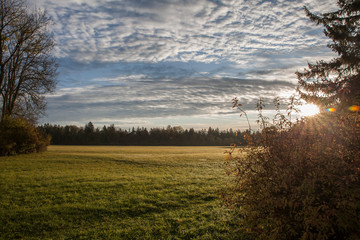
73 192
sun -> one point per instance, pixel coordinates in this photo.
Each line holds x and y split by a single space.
309 109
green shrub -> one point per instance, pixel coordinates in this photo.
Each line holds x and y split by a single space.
299 183
17 136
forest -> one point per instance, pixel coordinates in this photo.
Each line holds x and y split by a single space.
140 136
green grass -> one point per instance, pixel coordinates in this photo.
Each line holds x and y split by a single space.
114 193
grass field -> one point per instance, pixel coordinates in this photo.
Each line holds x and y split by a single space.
78 192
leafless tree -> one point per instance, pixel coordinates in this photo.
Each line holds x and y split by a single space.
27 66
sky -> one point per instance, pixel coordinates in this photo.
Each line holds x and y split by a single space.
153 63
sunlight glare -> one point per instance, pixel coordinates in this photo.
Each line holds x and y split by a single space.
309 110
354 108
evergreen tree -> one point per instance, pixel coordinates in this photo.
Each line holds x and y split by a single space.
335 83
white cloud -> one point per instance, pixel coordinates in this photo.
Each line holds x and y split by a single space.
127 59
201 30
143 97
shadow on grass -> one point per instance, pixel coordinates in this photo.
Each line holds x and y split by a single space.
66 219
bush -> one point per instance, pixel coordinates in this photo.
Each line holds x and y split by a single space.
299 183
17 136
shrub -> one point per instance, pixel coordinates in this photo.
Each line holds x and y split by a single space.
17 136
299 183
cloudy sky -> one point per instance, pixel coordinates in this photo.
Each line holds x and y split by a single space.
155 63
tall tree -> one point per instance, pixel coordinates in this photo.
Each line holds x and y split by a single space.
27 67
336 83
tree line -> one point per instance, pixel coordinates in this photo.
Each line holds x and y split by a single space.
140 136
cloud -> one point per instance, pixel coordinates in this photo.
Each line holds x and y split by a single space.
146 59
143 97
182 30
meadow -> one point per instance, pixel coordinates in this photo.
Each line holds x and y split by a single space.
86 192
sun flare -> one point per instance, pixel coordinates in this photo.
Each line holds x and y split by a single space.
309 110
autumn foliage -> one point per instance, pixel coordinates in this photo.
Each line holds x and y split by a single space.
299 183
17 136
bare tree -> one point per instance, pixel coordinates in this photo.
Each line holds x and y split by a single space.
27 67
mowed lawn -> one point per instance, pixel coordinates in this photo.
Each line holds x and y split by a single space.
86 192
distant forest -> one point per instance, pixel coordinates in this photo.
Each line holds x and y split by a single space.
169 136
